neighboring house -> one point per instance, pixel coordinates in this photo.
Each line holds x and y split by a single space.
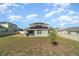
70 33
71 30
7 28
37 29
21 31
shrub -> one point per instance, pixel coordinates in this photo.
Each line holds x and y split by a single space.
53 37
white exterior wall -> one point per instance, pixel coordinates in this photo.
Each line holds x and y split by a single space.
5 25
10 30
44 33
72 35
64 32
1 31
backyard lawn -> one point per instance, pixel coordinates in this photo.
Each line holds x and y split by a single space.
18 45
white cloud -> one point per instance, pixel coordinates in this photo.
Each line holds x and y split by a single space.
62 5
11 4
53 21
14 18
57 9
27 3
70 12
54 13
46 10
31 16
5 7
61 24
50 14
64 15
66 19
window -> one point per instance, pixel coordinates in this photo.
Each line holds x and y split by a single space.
77 32
6 31
15 30
38 32
10 26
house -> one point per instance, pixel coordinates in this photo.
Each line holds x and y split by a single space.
21 31
7 28
71 30
37 29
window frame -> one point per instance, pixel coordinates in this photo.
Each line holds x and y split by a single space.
39 32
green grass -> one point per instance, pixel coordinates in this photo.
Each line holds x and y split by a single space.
38 46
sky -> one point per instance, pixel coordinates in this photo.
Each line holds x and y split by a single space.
57 15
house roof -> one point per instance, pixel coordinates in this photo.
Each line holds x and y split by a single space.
6 23
36 29
73 29
39 23
38 26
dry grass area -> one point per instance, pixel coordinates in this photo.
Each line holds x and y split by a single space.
18 45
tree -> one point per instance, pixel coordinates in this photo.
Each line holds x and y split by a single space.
53 37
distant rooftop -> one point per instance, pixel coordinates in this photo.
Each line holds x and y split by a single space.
6 23
3 22
72 29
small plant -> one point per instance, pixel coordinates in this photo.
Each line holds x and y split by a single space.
53 37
